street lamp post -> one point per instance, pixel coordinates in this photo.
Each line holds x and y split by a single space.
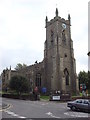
88 61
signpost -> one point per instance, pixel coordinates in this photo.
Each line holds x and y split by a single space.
56 98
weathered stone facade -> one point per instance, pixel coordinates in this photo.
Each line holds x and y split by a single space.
59 61
58 69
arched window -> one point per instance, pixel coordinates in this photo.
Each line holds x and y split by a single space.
66 73
63 36
38 80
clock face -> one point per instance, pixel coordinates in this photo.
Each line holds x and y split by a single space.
64 25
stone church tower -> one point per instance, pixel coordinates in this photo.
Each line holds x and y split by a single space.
59 61
57 71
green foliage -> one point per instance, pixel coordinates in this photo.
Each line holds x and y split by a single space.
84 78
44 97
19 66
19 83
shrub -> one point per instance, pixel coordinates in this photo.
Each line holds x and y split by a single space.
19 83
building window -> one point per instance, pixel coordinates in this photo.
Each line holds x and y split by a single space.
38 80
7 76
66 73
65 55
63 36
52 36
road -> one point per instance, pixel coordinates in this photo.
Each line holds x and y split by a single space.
38 109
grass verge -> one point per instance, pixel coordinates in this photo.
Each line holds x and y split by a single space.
44 97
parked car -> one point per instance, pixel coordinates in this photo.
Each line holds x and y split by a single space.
80 105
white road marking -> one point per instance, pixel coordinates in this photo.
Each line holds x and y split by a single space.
50 114
76 114
13 114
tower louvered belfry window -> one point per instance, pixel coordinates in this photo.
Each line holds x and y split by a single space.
52 36
63 36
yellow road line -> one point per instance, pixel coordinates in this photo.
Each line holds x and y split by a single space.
7 107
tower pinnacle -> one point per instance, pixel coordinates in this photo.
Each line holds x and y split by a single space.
10 67
56 12
46 19
68 16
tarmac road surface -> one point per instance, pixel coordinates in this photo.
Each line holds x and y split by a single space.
39 109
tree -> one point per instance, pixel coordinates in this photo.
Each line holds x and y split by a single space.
20 84
83 78
19 66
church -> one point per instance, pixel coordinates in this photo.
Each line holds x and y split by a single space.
57 71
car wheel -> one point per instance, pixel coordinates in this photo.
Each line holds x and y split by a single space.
73 108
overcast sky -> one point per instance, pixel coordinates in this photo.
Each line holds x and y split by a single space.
22 30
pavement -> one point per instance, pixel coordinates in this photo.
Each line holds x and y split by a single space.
43 100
